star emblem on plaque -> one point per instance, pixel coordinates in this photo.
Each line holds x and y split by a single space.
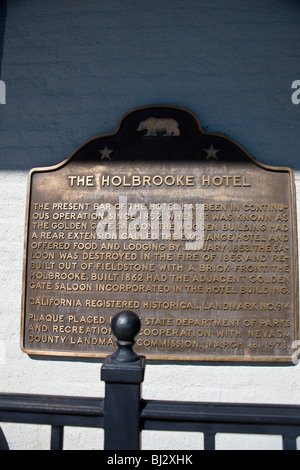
106 153
211 153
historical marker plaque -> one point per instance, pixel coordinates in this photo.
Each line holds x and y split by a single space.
181 226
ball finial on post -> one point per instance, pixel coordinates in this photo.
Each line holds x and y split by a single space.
125 326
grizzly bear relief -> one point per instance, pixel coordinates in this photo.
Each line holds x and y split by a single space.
155 126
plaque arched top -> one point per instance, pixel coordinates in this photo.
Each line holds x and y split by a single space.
162 132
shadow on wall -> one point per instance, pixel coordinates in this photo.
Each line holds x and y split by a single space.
2 28
66 82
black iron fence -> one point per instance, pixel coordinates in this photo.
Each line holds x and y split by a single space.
123 414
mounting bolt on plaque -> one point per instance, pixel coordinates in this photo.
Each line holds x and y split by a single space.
125 327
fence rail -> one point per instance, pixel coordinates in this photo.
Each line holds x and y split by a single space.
123 414
212 418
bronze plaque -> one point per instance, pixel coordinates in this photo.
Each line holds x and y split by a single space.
181 226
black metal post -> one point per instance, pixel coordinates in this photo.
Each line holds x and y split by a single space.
3 441
123 373
209 440
57 437
289 442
